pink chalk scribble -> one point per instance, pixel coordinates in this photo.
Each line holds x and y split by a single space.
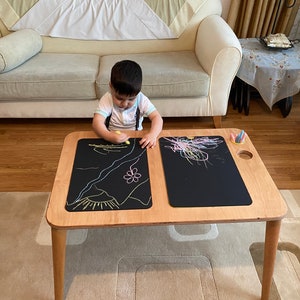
193 149
132 175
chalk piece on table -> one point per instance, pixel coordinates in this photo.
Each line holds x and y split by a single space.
238 138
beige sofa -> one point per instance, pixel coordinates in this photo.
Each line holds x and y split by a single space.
46 77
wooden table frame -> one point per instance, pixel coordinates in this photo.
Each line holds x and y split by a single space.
267 203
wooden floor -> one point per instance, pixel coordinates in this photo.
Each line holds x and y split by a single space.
30 149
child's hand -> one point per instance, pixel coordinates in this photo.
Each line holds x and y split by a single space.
148 141
118 137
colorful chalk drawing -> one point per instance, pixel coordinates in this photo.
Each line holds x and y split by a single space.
114 177
201 172
105 149
132 175
193 149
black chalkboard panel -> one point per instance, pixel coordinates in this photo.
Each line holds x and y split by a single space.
106 176
200 172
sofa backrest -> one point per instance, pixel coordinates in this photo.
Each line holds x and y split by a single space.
185 41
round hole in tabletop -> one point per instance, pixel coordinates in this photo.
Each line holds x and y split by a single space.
244 154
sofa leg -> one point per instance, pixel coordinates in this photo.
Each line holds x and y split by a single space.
217 121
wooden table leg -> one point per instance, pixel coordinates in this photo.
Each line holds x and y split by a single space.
59 257
271 243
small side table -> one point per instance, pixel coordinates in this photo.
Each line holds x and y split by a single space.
274 73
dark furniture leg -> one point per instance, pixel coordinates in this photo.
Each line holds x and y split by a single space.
246 98
285 106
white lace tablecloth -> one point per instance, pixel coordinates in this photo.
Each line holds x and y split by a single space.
274 73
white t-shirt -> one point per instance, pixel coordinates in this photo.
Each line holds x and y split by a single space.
124 118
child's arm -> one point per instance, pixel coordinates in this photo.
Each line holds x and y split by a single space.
101 130
150 138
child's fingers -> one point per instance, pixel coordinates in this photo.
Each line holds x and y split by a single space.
147 142
121 137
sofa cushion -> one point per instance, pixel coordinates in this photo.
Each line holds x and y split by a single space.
18 47
165 74
52 76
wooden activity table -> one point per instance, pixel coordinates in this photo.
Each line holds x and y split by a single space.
267 203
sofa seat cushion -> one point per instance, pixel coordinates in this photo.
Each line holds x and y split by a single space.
165 74
52 76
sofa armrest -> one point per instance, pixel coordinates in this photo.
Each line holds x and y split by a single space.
219 53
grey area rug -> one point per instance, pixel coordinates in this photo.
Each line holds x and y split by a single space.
218 261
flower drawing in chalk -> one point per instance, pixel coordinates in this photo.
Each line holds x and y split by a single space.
132 175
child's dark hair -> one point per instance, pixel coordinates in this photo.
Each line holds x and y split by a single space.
126 78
